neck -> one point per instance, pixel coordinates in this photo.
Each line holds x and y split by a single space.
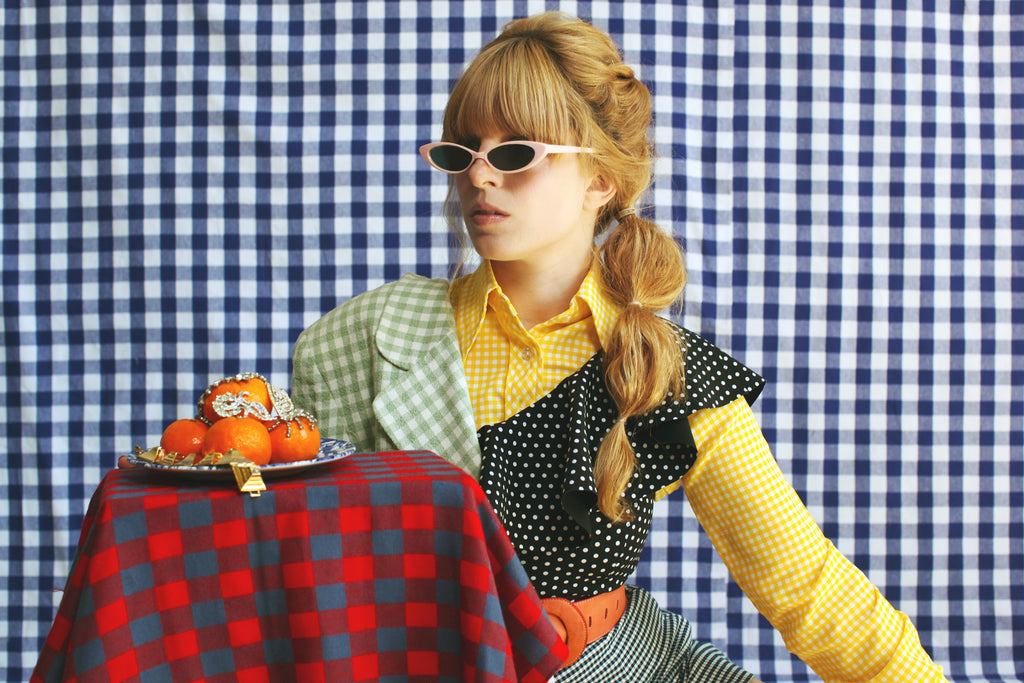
539 294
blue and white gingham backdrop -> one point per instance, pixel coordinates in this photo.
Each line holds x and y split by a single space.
186 187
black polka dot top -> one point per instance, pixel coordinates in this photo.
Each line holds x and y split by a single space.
538 470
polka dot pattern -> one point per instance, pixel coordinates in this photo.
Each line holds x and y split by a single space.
538 470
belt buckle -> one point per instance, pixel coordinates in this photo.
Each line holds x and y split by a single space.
563 612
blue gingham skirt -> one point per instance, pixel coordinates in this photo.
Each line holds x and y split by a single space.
651 645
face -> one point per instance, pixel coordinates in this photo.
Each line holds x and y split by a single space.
542 217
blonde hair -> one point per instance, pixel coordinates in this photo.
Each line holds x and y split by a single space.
556 79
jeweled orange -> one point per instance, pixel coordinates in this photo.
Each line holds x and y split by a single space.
255 386
294 440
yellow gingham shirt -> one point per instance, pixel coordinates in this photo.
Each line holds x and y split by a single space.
827 611
509 367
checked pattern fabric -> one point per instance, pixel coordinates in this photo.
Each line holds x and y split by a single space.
380 567
186 186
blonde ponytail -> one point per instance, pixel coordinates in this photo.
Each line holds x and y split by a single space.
641 269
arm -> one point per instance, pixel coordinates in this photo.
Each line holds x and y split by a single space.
308 388
332 363
828 612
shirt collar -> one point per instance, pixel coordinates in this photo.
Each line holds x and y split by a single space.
603 310
469 295
472 294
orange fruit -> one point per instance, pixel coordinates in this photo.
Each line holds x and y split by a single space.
294 440
256 386
247 435
184 437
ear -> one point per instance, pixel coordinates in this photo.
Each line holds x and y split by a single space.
599 193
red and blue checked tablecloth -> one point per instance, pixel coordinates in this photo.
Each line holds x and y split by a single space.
378 567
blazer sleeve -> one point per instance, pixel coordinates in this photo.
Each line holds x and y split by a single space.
825 608
383 371
333 367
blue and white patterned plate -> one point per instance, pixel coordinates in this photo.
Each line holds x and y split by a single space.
331 450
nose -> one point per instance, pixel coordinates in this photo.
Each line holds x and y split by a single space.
481 174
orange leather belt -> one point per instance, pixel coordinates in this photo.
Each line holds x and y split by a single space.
582 622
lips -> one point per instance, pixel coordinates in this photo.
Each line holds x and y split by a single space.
483 214
483 209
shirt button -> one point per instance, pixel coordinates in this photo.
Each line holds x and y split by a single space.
526 354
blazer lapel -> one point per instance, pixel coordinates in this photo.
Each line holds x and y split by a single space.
422 400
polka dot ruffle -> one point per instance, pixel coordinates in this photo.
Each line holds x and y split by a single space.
538 470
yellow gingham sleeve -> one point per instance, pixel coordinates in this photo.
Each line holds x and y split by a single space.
828 612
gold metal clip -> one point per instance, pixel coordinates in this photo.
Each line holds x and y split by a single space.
248 478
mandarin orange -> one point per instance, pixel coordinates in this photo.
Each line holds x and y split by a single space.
184 436
247 435
294 440
255 386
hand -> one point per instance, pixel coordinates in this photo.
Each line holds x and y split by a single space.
123 463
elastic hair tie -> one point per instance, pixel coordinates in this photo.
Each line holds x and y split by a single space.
634 302
628 211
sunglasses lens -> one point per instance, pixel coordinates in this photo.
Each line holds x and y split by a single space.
511 156
451 158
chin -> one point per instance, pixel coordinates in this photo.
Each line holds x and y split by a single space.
488 249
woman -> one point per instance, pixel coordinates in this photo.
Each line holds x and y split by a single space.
547 374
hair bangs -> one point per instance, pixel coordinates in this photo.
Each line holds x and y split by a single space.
513 88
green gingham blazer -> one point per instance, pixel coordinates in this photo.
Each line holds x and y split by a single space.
383 370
